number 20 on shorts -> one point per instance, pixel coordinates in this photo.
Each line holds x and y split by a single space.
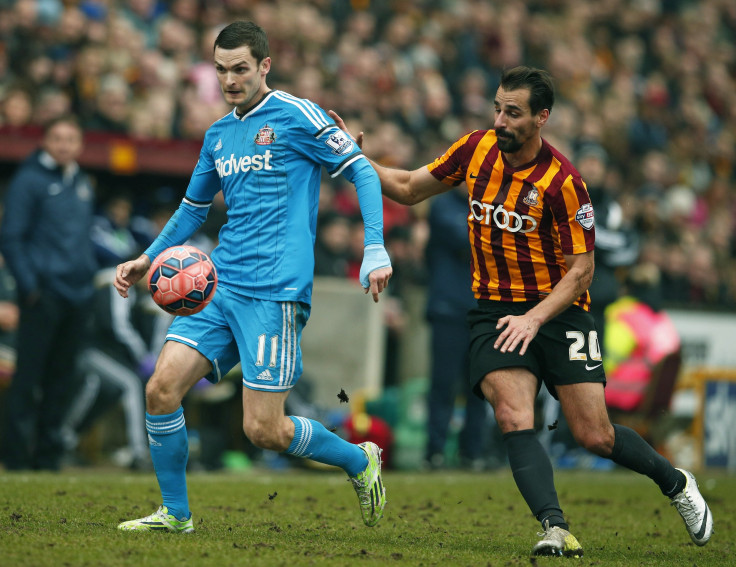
578 345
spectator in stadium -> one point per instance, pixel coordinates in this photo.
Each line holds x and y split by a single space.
45 239
145 15
449 298
639 337
111 107
116 234
532 238
271 144
52 103
118 352
331 245
616 241
401 244
17 108
118 356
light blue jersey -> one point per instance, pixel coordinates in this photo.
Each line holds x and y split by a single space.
268 165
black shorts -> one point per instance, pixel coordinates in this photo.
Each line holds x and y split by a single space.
565 350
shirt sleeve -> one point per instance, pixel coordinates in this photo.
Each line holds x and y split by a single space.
368 187
319 139
450 167
573 213
205 181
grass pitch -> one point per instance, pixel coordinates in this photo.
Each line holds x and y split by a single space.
296 518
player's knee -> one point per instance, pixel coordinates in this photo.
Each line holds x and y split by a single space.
161 396
512 419
263 435
596 440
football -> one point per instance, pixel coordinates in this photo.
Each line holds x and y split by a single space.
182 280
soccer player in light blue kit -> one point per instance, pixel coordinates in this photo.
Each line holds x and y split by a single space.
266 157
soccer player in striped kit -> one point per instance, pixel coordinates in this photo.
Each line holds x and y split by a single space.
266 157
531 231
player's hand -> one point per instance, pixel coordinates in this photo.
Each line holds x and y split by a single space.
379 281
519 329
376 270
341 124
128 273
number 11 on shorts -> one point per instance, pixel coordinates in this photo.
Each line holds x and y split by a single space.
261 356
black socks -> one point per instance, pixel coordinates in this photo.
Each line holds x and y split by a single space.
533 474
632 452
534 477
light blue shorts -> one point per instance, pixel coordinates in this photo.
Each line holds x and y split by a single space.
263 335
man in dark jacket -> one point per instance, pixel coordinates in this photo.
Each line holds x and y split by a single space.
616 241
45 238
449 298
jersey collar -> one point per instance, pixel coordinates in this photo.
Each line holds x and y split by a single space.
253 108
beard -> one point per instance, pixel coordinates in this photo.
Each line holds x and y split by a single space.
507 142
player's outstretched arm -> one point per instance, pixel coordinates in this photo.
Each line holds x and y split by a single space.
400 185
128 273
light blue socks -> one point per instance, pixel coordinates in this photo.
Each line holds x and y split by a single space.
169 445
313 441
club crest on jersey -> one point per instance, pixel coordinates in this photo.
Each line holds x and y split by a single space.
584 216
531 197
265 136
340 142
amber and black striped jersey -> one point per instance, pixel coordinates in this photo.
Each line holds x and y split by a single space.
521 221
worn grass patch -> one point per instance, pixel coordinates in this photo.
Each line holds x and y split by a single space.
312 518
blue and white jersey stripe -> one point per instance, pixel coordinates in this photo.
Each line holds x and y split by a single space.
311 111
198 204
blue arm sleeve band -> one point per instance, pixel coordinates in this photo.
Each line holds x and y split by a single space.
182 224
368 186
374 257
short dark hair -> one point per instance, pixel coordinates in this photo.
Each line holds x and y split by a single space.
242 33
539 82
63 119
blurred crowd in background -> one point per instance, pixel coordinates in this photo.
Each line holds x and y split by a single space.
645 109
646 99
